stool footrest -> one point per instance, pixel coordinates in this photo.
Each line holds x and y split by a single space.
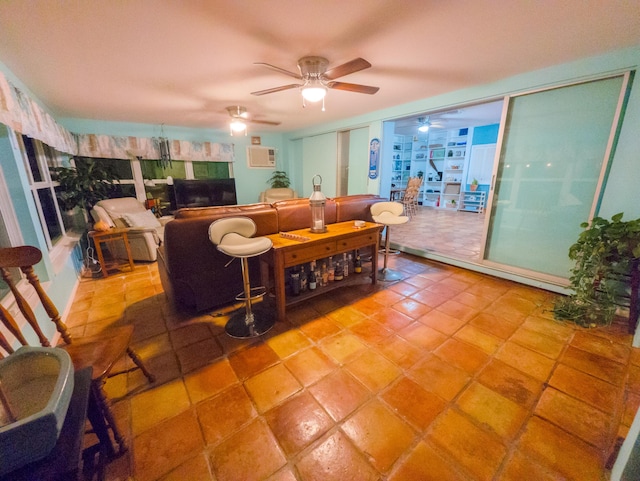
256 293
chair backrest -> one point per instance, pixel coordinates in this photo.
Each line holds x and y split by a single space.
25 257
239 225
410 194
279 193
414 182
395 208
117 209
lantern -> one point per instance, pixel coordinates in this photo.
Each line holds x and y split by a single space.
317 202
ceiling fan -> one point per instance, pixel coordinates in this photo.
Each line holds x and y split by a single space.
317 79
240 118
425 123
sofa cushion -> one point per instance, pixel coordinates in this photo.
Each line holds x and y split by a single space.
355 207
294 214
144 219
220 211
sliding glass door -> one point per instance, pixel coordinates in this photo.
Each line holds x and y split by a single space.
555 148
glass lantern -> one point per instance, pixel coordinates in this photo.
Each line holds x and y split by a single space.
317 202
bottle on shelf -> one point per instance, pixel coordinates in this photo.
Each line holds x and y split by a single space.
332 270
311 280
295 283
325 274
357 267
303 280
338 271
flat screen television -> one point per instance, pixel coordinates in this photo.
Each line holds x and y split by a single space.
203 192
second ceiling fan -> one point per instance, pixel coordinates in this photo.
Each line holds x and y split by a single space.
317 79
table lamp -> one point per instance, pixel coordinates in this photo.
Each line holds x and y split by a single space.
317 202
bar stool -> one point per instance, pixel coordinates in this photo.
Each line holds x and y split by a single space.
388 213
233 236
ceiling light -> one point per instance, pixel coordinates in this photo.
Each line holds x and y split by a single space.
314 93
238 126
424 124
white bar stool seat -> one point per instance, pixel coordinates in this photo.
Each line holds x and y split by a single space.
388 213
233 236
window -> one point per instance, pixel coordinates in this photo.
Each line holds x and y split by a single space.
210 170
38 159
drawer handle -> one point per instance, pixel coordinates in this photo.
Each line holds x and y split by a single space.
327 248
294 256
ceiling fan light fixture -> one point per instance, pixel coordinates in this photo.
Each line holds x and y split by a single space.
238 126
424 124
314 93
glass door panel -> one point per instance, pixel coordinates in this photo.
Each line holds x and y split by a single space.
555 143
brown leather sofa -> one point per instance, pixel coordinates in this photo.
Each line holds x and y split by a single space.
195 275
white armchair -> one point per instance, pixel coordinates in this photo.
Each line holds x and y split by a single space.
146 231
274 195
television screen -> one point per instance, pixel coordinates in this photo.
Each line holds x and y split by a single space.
204 192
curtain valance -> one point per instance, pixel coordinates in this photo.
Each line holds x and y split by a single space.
22 114
92 145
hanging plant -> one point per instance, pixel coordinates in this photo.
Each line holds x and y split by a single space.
606 260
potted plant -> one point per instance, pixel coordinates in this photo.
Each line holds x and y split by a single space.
279 179
474 185
606 255
85 184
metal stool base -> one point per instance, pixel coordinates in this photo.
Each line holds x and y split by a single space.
238 327
389 275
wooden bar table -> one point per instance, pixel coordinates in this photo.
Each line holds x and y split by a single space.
288 252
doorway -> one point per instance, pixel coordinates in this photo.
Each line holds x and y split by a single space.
453 152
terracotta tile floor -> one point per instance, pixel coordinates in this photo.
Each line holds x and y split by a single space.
446 375
443 231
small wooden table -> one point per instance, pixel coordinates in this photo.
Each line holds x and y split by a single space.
110 236
339 238
396 193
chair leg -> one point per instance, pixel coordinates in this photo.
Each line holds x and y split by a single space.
138 362
107 421
386 274
246 325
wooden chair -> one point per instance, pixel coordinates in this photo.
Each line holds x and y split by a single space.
410 196
100 352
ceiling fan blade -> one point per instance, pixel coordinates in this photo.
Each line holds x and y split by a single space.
362 89
276 89
281 70
265 122
354 65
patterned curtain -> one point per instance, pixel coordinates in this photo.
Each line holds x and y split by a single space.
22 114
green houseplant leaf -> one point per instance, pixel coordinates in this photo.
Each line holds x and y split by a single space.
279 179
604 255
85 184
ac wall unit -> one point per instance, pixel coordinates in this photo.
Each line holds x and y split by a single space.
259 157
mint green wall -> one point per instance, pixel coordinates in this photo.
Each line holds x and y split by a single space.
249 182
